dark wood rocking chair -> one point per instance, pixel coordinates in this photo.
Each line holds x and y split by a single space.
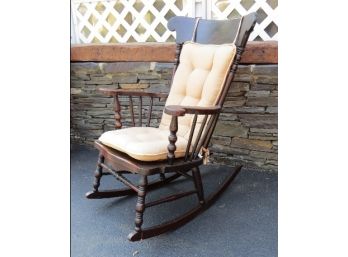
203 72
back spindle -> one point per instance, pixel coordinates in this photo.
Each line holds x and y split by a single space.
193 127
198 137
140 111
150 111
177 59
131 109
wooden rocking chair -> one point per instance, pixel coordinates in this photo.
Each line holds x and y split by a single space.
207 56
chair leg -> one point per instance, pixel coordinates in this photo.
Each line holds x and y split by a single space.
198 184
98 173
140 206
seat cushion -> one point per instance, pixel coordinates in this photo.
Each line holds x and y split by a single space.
143 143
198 81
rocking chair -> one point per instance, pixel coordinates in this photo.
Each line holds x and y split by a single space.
207 56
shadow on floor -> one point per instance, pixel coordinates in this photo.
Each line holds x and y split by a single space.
241 223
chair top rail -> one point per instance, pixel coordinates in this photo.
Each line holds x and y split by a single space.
213 31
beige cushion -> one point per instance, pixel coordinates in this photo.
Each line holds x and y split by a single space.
198 81
143 143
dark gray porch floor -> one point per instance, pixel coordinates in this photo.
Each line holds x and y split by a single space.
241 223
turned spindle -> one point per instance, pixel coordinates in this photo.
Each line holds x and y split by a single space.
117 109
98 173
140 206
172 139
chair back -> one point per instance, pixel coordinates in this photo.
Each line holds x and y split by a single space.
204 70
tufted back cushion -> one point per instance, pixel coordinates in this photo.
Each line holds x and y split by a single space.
198 81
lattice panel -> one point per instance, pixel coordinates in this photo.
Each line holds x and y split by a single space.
112 21
126 20
266 27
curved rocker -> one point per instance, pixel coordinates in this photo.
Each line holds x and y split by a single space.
186 217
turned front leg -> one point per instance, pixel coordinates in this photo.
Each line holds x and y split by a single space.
172 139
140 206
98 173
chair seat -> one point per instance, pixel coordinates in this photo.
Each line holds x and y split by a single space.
143 143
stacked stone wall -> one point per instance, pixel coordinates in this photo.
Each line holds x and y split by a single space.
247 129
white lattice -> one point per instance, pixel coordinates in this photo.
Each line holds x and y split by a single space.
266 28
111 21
126 20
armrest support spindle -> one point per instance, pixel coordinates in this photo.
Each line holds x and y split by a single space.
175 111
117 109
172 139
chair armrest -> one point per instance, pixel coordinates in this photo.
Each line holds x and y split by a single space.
179 110
114 92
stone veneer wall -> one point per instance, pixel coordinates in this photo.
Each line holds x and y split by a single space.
247 128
